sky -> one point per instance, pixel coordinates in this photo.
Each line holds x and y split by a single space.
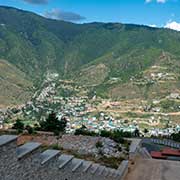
156 13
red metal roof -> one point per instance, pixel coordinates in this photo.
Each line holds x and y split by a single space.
170 152
165 153
157 155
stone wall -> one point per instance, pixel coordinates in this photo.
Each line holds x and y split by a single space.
31 162
135 145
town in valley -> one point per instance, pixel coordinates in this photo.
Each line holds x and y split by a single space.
81 106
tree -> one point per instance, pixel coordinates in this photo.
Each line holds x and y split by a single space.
19 126
176 136
52 124
99 144
84 131
105 133
146 131
116 135
136 132
30 129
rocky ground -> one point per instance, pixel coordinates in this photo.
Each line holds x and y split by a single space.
83 145
92 145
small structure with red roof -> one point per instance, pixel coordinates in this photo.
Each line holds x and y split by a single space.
166 153
157 155
170 152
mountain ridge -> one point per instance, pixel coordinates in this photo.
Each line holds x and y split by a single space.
91 54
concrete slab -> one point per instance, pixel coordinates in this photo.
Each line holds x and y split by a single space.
64 160
27 148
151 169
48 155
5 139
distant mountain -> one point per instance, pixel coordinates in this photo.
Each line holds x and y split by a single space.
103 55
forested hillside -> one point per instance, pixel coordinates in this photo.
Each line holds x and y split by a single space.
102 55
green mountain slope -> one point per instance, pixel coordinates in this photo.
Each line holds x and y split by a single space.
102 55
15 88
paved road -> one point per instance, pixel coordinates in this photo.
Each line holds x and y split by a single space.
155 170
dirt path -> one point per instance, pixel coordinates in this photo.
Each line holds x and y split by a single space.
140 112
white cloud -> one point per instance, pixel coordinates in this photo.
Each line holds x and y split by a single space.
152 25
161 1
158 1
63 15
173 25
148 1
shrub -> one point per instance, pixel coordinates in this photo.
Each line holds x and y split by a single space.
19 126
84 131
30 129
56 147
116 135
99 144
105 133
112 162
176 137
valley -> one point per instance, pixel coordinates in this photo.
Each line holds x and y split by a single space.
90 73
82 106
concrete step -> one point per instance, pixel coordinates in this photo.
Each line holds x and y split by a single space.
123 168
64 160
76 163
86 165
113 173
100 170
116 174
6 139
94 168
106 171
27 149
48 155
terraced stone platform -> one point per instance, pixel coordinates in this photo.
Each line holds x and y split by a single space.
30 162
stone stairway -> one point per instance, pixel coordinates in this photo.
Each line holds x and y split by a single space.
30 162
